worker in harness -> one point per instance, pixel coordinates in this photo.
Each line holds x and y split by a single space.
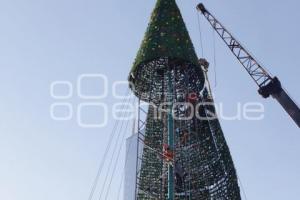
184 137
179 178
168 154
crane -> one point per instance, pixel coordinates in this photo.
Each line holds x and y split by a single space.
267 84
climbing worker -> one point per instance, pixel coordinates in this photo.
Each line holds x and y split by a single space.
184 137
179 177
168 154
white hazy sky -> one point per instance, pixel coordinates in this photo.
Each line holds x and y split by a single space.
44 41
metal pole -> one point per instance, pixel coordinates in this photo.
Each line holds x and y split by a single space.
170 138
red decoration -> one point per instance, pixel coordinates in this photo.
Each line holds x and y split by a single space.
192 98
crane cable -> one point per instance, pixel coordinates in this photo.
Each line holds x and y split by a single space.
200 34
214 56
202 47
100 168
215 75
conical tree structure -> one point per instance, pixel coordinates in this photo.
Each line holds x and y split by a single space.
196 163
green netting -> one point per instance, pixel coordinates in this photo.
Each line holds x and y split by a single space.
166 36
205 159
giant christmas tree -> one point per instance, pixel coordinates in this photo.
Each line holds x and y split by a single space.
185 155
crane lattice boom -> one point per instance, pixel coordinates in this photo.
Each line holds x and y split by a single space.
268 85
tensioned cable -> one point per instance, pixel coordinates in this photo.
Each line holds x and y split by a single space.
243 190
214 56
96 180
114 151
113 154
200 34
123 175
118 155
120 186
242 187
105 154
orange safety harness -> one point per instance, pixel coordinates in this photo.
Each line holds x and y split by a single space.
168 154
